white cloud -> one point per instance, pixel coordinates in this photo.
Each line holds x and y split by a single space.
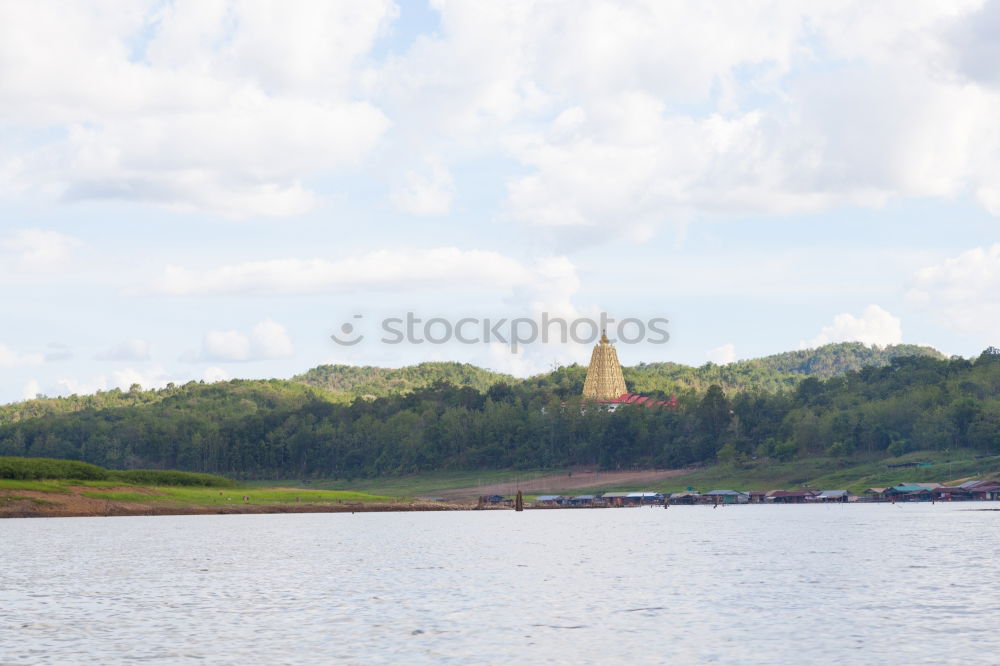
134 349
225 346
428 193
153 377
219 106
666 111
722 355
10 358
71 386
37 250
31 389
271 340
214 373
963 292
267 340
396 270
875 326
636 114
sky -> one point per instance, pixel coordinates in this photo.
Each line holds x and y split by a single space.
210 189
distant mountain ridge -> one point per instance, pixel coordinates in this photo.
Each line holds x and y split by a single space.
280 429
770 373
368 380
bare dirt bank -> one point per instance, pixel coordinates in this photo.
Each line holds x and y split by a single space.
31 504
556 483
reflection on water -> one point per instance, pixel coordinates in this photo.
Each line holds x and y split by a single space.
750 584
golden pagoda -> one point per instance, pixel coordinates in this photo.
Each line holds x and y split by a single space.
604 375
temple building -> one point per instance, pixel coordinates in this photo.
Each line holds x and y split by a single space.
604 382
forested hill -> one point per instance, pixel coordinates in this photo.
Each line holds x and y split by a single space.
356 381
836 359
281 429
771 373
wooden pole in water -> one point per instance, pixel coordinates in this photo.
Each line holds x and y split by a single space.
519 502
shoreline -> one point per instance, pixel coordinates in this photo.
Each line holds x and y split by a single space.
27 508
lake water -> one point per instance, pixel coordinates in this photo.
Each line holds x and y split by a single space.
892 584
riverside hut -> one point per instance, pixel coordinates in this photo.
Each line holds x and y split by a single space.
615 498
643 498
688 497
834 496
982 490
549 500
791 496
727 497
582 500
910 492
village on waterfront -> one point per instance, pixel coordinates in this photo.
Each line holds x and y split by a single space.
605 388
904 492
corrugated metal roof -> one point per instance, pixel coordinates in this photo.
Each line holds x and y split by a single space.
615 494
790 493
547 498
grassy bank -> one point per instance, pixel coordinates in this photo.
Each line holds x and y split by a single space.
424 484
34 469
29 488
854 474
45 487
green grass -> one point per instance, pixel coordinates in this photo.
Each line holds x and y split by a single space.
38 486
121 496
31 469
205 496
116 490
854 474
231 496
34 500
851 474
417 484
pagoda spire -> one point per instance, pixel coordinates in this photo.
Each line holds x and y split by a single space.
604 375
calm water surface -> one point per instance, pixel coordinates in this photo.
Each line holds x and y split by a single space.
893 584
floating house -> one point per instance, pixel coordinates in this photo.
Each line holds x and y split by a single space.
910 492
874 494
688 497
615 498
982 490
549 500
727 497
791 496
834 496
643 498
